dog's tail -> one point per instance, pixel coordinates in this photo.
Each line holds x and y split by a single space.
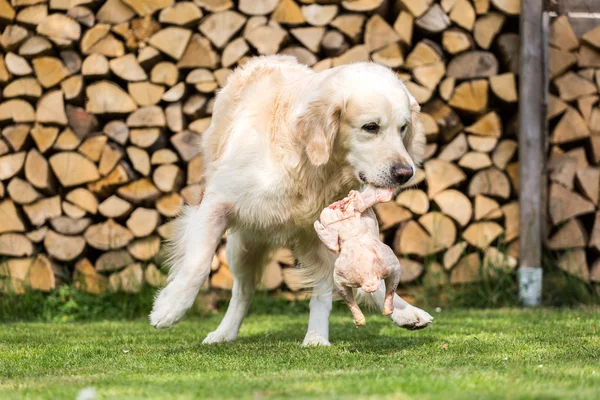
177 240
195 235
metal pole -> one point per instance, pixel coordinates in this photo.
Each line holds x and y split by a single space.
531 151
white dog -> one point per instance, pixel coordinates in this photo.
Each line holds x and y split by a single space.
285 142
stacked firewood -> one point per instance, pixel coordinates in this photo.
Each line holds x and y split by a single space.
103 103
574 159
459 222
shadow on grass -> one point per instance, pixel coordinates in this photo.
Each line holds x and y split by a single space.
375 338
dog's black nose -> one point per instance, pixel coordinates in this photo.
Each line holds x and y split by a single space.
401 173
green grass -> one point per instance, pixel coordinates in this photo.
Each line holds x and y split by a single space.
490 354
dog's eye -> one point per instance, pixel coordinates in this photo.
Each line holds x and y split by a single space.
371 127
403 130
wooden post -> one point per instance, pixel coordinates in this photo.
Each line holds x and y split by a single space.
531 151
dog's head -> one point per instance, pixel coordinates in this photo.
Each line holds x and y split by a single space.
371 117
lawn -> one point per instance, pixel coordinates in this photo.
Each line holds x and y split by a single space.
464 355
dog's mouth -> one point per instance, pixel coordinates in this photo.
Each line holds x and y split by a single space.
363 179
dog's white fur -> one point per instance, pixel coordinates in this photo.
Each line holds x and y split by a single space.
284 143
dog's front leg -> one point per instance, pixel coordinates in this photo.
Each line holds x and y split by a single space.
318 262
409 317
404 315
318 321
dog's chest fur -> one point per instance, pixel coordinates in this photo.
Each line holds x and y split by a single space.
282 214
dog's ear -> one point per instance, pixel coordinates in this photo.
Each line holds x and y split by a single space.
415 109
319 126
415 140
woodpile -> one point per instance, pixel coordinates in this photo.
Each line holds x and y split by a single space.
574 156
459 221
102 105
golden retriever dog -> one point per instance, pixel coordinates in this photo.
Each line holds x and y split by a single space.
284 143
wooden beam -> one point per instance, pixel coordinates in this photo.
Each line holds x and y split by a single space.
566 6
531 151
582 25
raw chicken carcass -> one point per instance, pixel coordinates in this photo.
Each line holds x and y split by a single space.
349 227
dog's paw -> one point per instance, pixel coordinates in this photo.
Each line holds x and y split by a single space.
218 337
168 308
313 339
411 318
163 317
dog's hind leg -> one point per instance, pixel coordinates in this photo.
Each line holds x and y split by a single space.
246 259
198 232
